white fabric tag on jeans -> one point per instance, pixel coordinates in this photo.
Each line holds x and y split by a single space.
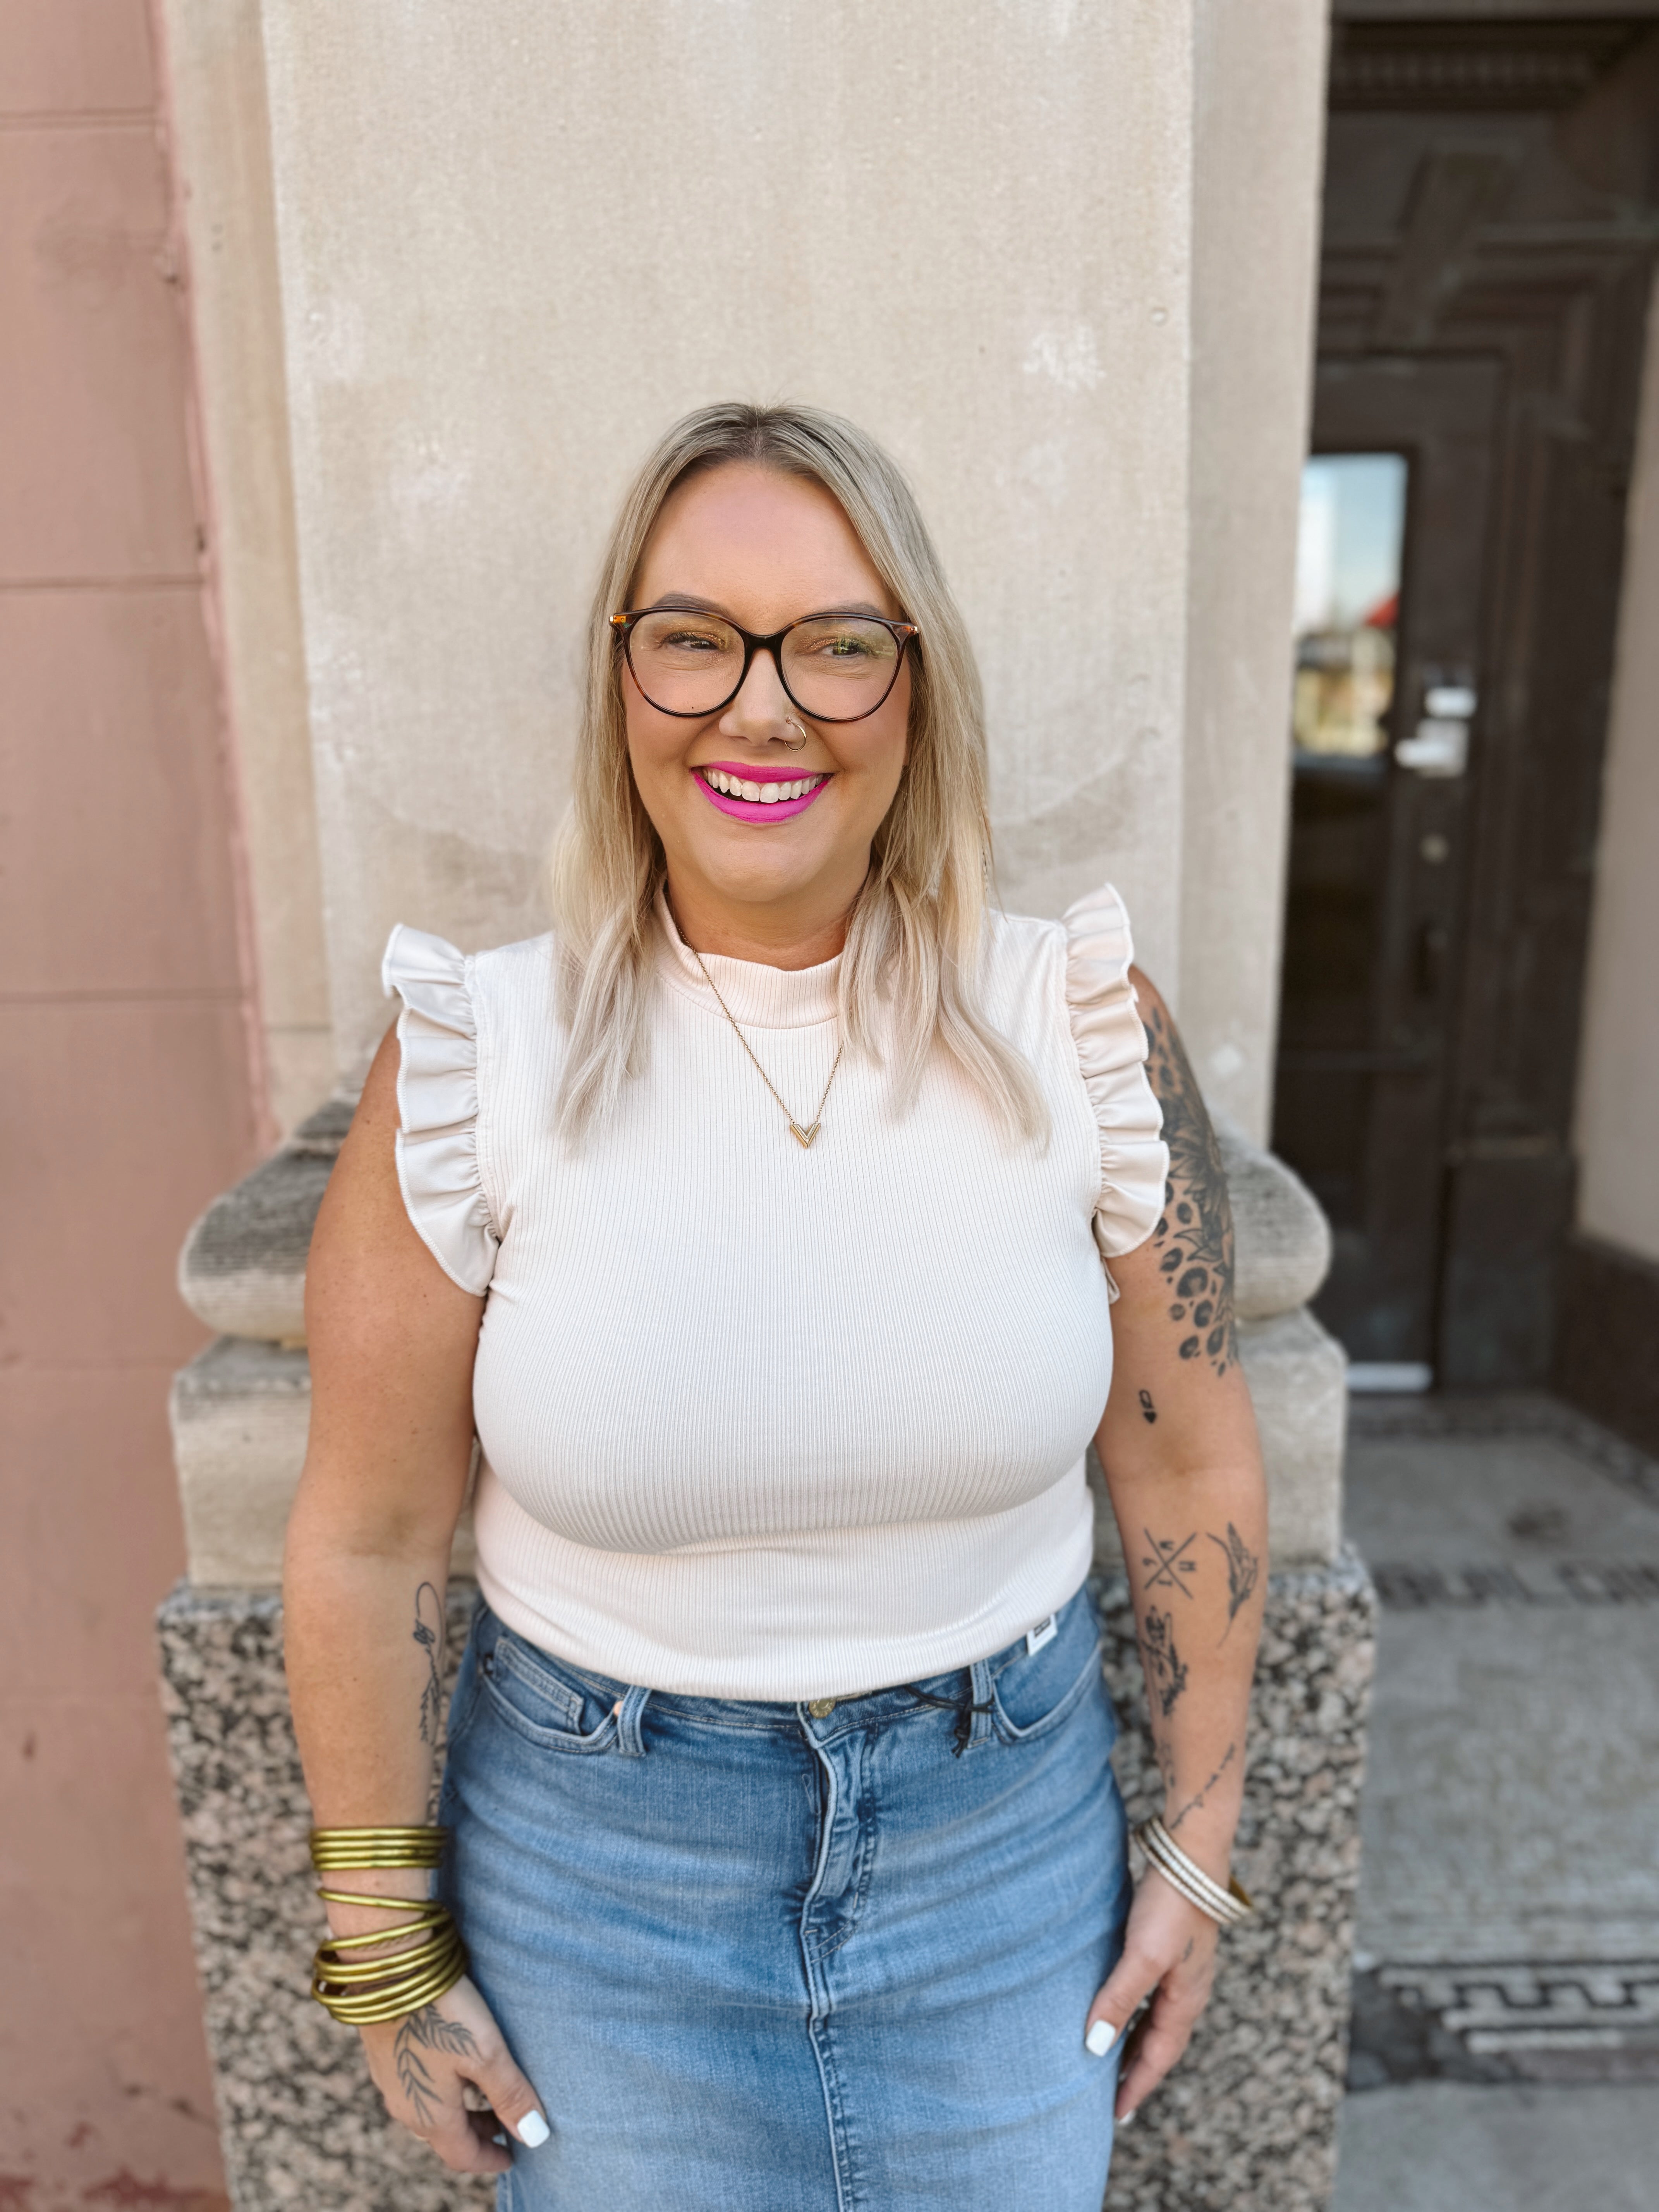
1044 1632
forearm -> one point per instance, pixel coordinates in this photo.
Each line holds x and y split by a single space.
364 1651
364 1648
1195 1544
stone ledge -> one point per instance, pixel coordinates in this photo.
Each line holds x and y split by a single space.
242 1271
240 1412
1246 2124
1298 1378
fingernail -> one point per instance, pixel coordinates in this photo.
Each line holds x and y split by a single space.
533 2130
1100 2038
501 2137
1128 2116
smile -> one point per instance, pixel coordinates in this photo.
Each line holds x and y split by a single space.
757 794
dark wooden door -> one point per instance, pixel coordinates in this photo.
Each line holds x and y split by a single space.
1378 849
1491 207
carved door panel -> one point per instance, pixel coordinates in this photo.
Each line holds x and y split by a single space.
1492 211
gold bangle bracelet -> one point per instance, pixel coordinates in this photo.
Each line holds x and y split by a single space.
434 1919
363 1897
390 1998
359 1991
336 1980
393 2000
330 1853
375 1847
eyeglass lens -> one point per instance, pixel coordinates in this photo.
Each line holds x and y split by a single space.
838 666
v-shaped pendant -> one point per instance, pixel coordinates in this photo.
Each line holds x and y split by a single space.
803 1136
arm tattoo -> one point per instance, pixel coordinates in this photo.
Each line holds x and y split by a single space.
426 2030
1166 1670
1148 1411
431 1641
1242 1570
1193 1804
1168 1562
1195 1238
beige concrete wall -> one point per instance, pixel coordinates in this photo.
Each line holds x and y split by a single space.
222 161
477 358
1258 150
1617 1131
127 1087
967 226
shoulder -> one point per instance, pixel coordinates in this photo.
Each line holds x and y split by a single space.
516 978
1091 948
438 982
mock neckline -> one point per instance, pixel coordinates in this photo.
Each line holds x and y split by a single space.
759 996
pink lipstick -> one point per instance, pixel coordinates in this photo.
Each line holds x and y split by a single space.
738 772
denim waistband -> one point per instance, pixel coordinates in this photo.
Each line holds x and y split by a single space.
964 1690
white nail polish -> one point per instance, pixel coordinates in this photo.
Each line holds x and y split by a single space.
1100 2038
533 2130
1128 2116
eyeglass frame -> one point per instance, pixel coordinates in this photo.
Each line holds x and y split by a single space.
904 634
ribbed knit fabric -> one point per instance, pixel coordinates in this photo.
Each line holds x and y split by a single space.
761 1422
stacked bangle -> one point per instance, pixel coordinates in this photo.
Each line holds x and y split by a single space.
1228 1907
335 1848
360 1990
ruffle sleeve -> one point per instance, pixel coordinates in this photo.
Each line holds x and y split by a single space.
438 1106
1111 1050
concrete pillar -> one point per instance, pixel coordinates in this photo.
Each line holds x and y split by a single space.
967 226
222 163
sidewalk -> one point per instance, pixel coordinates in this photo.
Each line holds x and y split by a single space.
1506 2032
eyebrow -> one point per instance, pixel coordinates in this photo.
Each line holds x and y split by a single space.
688 603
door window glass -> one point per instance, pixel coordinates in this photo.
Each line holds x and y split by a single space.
1347 602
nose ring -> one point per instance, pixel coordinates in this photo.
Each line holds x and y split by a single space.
792 724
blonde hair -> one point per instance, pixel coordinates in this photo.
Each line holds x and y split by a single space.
917 930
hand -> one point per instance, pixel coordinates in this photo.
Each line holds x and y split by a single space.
447 2074
1168 1947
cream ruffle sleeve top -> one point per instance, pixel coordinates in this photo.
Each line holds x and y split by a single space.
761 1422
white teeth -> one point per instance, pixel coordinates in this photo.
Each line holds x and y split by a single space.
767 794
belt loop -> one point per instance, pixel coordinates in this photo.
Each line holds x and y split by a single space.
629 1742
979 1692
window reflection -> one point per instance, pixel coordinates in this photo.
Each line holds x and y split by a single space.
1347 602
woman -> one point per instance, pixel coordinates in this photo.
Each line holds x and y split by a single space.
759 1221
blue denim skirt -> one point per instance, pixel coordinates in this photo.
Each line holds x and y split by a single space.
761 1957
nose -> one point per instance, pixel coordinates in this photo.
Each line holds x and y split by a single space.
759 716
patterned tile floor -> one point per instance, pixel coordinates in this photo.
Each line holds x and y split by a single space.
1506 2030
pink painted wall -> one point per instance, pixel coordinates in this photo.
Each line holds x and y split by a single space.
127 1098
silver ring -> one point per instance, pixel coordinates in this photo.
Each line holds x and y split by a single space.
790 723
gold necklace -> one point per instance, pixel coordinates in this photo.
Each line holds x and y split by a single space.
802 1137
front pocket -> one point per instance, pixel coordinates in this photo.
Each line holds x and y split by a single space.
528 1691
1035 1690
